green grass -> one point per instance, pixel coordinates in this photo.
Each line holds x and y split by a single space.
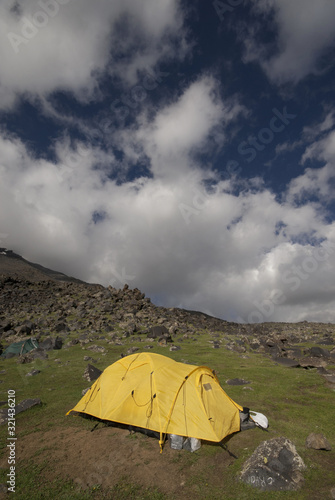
296 402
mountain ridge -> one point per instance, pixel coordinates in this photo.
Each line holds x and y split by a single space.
12 263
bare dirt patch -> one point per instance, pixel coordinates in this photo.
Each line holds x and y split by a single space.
108 455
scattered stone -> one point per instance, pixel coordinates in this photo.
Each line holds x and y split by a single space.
33 372
290 363
175 348
157 331
319 352
96 348
61 327
91 373
274 466
26 404
51 343
25 329
22 406
292 352
310 362
131 350
237 381
83 392
30 356
71 343
330 378
332 493
318 442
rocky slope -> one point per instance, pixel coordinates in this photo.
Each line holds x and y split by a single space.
12 264
39 304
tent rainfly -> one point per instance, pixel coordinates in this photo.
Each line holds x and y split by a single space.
154 392
18 348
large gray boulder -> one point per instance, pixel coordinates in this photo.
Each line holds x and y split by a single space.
274 466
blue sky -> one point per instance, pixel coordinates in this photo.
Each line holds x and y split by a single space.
186 148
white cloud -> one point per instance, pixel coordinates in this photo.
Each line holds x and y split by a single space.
226 258
183 128
49 45
237 255
305 31
318 182
312 132
222 252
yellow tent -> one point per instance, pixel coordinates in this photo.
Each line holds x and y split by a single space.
157 393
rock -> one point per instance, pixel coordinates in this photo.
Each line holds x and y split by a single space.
165 338
61 327
89 358
317 442
157 331
173 329
274 466
5 326
174 348
319 352
131 350
33 372
293 352
332 493
91 373
25 328
254 344
96 348
51 343
30 356
83 392
330 378
71 343
237 381
22 406
8 333
310 362
290 363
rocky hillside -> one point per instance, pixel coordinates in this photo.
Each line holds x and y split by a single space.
82 328
12 264
35 303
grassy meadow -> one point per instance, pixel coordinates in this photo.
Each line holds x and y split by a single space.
296 402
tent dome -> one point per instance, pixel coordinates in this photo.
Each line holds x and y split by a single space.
154 392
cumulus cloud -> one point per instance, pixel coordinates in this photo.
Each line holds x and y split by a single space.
305 31
242 256
230 248
316 183
50 45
